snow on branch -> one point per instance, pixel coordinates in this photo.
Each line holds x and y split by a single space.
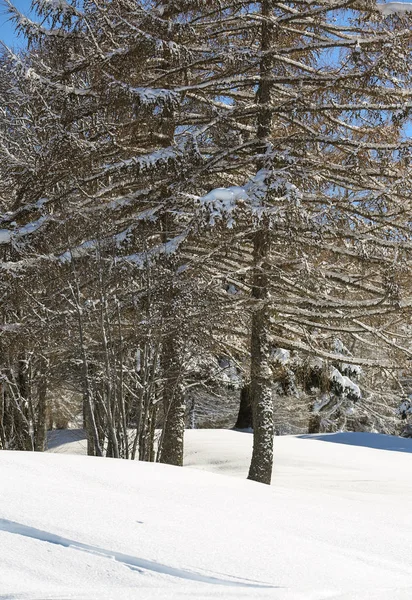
9 235
146 95
87 247
281 356
142 163
82 250
58 5
30 74
308 349
145 259
222 203
347 386
30 28
393 8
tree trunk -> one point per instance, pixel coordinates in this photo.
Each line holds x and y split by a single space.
314 423
40 440
3 439
174 429
25 423
245 414
93 442
152 450
260 371
174 405
260 374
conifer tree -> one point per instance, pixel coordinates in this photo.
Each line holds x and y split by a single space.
186 148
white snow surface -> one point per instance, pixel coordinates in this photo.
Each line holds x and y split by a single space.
334 525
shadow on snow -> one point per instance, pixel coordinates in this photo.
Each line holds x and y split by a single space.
378 441
60 437
133 563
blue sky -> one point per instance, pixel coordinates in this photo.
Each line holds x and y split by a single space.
7 33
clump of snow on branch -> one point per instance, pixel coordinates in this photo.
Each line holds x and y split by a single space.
31 74
147 96
405 408
281 356
346 385
222 203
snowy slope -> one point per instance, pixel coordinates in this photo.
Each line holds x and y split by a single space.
335 525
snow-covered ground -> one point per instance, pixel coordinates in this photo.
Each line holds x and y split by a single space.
335 525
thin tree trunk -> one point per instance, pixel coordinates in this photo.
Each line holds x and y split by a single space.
260 376
40 441
108 403
261 373
120 393
152 452
3 441
93 442
25 424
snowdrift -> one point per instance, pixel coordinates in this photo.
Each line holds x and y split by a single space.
334 525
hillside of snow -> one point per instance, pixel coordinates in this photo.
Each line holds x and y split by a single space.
335 524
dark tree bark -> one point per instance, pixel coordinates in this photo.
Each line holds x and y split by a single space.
314 424
174 429
40 440
245 414
22 417
174 404
260 374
